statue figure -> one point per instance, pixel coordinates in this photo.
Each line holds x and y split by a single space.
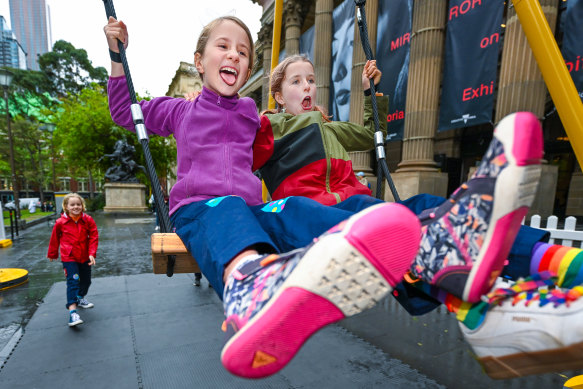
124 167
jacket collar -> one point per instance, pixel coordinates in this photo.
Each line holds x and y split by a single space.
227 102
67 218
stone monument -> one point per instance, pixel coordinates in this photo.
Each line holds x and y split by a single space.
123 191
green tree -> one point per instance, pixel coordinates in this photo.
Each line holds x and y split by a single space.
69 92
85 132
28 149
34 99
69 69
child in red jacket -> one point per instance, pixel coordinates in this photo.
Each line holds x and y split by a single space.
76 234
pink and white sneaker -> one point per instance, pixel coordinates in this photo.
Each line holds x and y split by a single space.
273 304
530 327
466 240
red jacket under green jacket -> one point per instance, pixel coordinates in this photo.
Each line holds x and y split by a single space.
77 241
303 155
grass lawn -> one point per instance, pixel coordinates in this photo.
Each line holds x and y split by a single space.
25 215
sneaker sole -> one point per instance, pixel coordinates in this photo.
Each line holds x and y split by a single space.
75 323
516 185
539 362
351 272
86 306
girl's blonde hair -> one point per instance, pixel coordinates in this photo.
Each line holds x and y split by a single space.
278 75
68 197
206 32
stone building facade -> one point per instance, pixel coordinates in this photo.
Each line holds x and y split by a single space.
185 80
426 161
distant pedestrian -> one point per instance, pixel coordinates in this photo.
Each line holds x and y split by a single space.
75 233
152 202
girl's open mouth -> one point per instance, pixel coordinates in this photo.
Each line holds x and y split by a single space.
307 103
229 75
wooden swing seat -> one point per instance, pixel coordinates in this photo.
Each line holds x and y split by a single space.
164 244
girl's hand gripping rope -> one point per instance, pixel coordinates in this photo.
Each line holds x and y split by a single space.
370 71
114 31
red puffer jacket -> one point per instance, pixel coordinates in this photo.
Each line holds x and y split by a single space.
77 240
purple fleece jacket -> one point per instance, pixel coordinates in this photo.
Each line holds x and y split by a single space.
214 137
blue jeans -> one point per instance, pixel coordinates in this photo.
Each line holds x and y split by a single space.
215 231
78 277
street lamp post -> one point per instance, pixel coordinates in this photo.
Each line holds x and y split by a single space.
5 81
42 176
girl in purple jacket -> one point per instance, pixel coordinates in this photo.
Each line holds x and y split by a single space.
273 302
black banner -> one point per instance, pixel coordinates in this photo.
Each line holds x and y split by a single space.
307 43
573 43
393 42
471 58
343 29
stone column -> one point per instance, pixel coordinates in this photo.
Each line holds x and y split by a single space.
522 88
417 172
265 36
323 50
292 13
361 160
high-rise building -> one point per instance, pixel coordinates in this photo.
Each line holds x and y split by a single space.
30 26
11 53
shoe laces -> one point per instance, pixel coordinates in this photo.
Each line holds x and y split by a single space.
539 287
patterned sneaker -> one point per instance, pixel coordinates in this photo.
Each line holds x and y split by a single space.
539 332
84 303
466 240
275 303
74 319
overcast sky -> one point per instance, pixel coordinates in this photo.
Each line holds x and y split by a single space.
162 33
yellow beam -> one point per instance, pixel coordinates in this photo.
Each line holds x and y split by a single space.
277 13
275 44
554 71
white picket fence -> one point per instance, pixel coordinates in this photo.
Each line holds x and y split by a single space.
568 236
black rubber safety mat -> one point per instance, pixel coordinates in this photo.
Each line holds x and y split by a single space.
149 331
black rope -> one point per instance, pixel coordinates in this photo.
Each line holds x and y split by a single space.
379 141
161 206
379 181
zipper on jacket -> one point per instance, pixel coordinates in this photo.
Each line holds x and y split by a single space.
226 153
328 168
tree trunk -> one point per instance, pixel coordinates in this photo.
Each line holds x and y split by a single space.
90 184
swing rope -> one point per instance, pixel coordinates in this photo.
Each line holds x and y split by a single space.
142 133
382 167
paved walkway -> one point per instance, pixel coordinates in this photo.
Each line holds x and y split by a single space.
151 331
148 331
